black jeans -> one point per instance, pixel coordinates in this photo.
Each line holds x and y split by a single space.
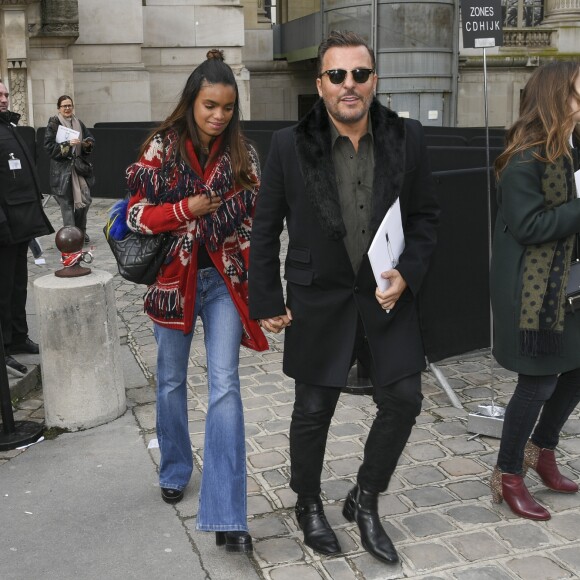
555 396
398 406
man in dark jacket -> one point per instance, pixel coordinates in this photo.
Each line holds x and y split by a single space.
332 178
21 219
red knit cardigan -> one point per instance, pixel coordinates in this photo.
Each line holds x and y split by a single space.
160 183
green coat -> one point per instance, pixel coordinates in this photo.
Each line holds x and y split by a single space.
521 221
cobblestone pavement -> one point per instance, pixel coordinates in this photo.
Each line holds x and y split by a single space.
438 509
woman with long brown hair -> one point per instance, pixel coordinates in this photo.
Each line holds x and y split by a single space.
198 178
535 241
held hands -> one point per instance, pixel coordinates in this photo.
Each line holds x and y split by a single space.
277 323
201 204
389 297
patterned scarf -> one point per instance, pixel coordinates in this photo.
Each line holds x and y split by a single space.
545 272
80 189
176 180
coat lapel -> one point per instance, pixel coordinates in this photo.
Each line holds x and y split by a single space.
389 151
315 159
313 141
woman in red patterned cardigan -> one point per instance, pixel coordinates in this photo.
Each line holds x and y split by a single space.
197 178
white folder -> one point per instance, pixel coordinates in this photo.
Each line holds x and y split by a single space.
387 245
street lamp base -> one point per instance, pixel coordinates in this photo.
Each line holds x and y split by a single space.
25 432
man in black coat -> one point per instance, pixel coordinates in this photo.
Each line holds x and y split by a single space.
21 220
332 178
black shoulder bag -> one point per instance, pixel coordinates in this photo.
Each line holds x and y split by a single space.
82 166
139 256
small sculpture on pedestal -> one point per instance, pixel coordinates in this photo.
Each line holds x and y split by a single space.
69 240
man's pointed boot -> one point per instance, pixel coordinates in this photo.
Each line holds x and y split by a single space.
362 507
318 534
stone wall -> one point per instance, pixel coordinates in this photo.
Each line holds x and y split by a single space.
195 28
275 92
15 61
510 66
119 60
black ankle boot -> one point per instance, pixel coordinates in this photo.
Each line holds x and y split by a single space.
318 534
234 541
361 506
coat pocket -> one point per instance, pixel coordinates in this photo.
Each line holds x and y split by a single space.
5 235
301 255
60 177
25 218
298 276
297 269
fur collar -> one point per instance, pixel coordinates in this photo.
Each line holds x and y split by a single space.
10 118
313 140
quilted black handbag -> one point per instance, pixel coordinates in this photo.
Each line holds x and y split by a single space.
139 256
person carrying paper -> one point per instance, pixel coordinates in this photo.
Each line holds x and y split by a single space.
333 178
66 137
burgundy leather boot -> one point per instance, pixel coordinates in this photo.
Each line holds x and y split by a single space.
513 489
543 462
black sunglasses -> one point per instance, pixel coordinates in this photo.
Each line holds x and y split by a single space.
337 75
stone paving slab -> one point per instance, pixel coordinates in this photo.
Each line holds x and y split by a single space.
89 515
438 509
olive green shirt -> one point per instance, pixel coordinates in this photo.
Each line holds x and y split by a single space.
354 179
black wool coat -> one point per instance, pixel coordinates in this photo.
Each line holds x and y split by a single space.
324 294
21 215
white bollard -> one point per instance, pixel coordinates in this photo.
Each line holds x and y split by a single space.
82 376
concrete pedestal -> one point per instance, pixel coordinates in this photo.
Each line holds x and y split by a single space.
82 376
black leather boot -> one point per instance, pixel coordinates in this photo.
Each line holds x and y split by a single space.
361 507
318 534
234 541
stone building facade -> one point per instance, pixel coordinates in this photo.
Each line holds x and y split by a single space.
120 60
128 60
423 70
551 32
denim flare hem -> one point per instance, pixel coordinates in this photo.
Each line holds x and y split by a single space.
222 495
217 528
171 486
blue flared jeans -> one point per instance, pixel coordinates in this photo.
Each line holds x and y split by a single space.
552 395
222 496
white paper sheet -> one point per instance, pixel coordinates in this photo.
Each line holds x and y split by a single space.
65 134
387 245
39 440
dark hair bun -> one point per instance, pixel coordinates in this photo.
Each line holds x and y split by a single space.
215 53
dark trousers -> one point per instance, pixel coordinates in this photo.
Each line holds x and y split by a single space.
555 396
70 215
398 405
13 289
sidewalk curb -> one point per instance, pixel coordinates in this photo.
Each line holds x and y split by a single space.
20 387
